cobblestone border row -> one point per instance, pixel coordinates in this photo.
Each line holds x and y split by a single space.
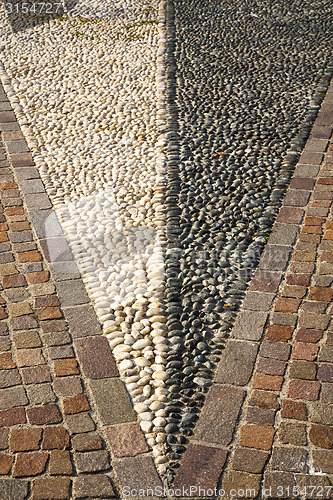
73 339
236 427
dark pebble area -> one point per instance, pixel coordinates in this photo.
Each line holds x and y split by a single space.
248 80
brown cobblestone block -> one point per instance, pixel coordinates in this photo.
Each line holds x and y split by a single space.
287 319
67 386
293 409
65 367
95 357
293 291
325 373
5 344
29 357
275 350
25 439
325 256
12 397
201 467
264 399
287 305
60 463
40 394
311 229
43 415
289 459
8 269
313 221
257 436
42 289
278 333
235 481
97 486
92 461
260 416
308 335
296 198
55 437
90 441
292 433
38 277
3 237
226 402
326 395
265 281
9 378
290 215
236 363
326 353
323 461
249 460
303 370
267 382
4 436
321 436
278 483
3 314
304 256
54 325
79 422
26 322
26 340
307 352
36 374
14 281
60 352
320 293
21 225
303 389
32 256
46 301
75 404
298 280
12 416
126 440
49 313
325 268
29 464
315 321
19 309
6 361
6 462
6 257
47 488
271 366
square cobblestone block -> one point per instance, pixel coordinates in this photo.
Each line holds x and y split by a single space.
43 415
82 321
51 488
278 483
236 363
302 370
97 486
140 470
67 386
241 481
275 350
249 325
298 279
29 357
25 439
65 367
284 234
95 357
201 467
60 463
72 293
287 319
36 374
296 197
40 394
265 281
323 461
38 201
308 335
321 413
88 441
264 399
271 366
302 183
275 257
55 437
12 416
9 378
248 460
12 397
92 461
80 422
290 215
225 402
126 440
303 389
287 305
75 404
293 409
13 489
258 301
307 352
257 436
113 403
260 416
289 459
278 333
292 433
267 382
29 464
321 436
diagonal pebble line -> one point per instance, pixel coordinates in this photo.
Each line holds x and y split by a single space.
92 112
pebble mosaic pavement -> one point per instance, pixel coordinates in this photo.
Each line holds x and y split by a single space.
68 428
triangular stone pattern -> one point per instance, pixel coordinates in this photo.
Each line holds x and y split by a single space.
165 135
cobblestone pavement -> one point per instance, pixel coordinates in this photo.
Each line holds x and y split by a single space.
68 429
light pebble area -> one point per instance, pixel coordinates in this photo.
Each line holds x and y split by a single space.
87 92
